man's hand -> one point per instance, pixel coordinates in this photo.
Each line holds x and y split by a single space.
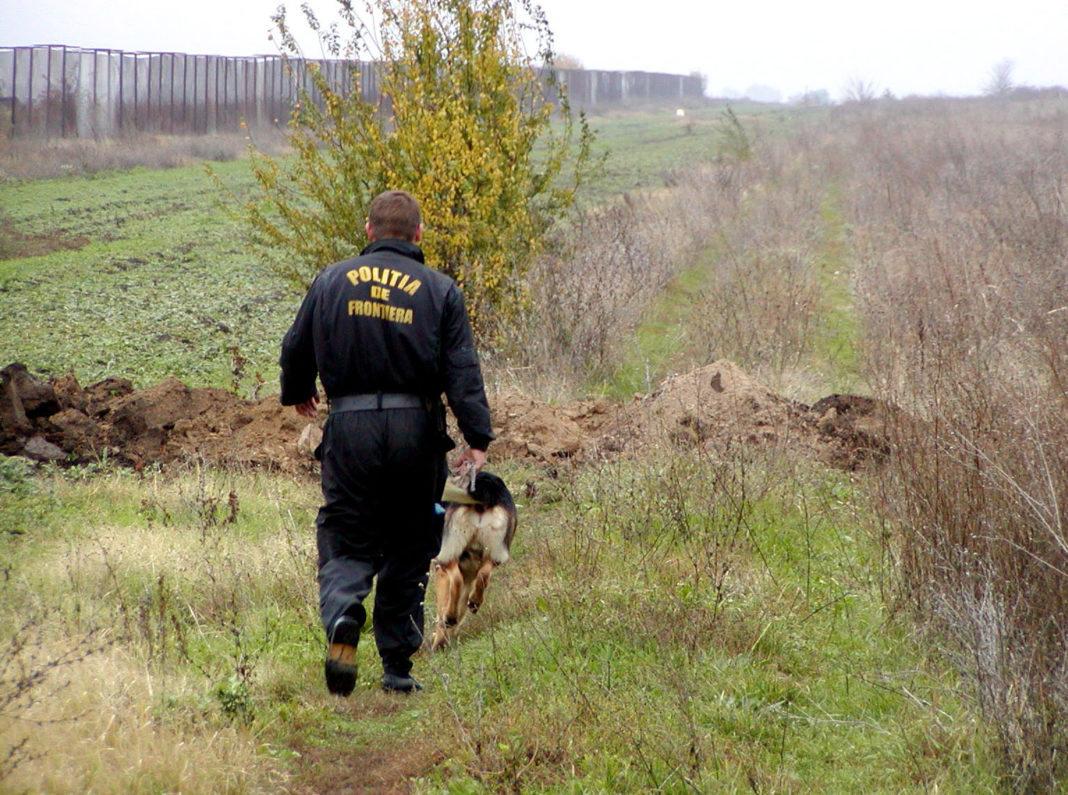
308 407
476 459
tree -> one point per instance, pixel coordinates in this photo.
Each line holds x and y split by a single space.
462 120
859 90
1000 83
565 60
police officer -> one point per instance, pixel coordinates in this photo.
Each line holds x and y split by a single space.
386 336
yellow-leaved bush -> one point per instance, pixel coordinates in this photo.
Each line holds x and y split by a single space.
463 119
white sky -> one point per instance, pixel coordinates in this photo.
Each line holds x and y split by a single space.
907 47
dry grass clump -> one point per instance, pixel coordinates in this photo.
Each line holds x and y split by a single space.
762 300
594 289
139 645
980 494
742 234
966 306
62 157
97 726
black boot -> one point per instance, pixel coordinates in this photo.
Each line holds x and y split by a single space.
344 637
399 683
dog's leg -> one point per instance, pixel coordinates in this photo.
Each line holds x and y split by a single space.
478 591
449 586
443 589
464 601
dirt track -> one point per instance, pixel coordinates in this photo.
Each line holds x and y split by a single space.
718 406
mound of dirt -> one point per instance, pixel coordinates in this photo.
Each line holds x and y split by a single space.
542 432
852 430
721 404
717 407
60 421
721 407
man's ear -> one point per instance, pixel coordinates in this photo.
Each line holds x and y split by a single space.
367 229
418 234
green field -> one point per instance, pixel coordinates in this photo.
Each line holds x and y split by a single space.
158 278
163 285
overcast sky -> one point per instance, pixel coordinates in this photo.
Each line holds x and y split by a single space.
906 47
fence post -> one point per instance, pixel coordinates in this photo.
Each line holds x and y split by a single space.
11 56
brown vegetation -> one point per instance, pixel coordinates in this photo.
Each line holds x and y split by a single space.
943 225
966 306
749 226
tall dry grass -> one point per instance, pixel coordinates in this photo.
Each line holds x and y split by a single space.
761 300
593 290
965 302
745 230
142 634
943 225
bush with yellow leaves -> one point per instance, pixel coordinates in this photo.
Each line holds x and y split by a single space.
463 119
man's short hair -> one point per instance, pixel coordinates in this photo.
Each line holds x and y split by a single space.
394 214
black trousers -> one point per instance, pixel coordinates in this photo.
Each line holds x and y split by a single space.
382 471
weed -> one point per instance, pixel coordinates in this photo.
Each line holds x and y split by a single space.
239 372
16 476
734 141
24 504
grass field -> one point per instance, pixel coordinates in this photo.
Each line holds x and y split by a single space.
163 284
679 623
682 621
150 275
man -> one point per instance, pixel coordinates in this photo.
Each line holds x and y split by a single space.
386 335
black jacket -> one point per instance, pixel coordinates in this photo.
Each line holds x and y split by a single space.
385 322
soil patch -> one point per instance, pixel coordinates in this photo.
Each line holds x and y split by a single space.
167 423
717 407
16 245
533 430
720 407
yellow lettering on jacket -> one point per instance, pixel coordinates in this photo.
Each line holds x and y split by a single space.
394 314
384 276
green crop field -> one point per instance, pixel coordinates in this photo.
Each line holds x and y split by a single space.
148 274
161 285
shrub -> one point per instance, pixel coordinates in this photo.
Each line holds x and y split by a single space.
461 121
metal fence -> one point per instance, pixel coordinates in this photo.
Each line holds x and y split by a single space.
59 91
588 88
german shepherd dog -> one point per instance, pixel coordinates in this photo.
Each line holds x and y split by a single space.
477 538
